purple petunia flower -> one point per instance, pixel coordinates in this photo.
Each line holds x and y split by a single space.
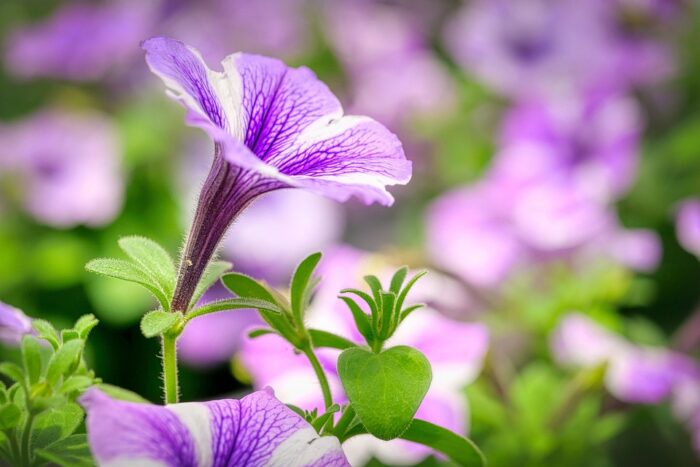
254 431
534 47
274 127
455 350
71 173
688 225
634 374
80 41
13 325
394 74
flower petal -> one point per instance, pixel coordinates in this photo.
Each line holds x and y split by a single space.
254 431
13 325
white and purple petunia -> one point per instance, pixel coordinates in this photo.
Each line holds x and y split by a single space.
257 430
13 325
273 127
281 124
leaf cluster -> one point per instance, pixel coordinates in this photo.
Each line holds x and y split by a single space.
38 413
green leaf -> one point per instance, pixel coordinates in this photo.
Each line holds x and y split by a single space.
157 322
232 304
46 331
69 335
126 271
319 422
62 361
31 358
300 283
246 287
56 424
10 415
260 332
364 296
73 451
12 371
397 279
409 285
458 448
211 274
361 319
375 286
85 324
154 259
121 394
76 383
327 339
387 323
385 389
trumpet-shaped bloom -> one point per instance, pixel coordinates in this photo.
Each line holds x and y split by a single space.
254 431
274 127
13 324
455 350
688 225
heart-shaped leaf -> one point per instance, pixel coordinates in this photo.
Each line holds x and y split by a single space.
385 389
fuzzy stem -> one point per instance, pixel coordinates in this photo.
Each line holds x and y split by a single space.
26 439
321 375
170 384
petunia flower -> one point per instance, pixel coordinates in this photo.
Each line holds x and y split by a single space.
455 350
256 430
79 41
274 127
72 174
13 325
688 225
534 48
634 374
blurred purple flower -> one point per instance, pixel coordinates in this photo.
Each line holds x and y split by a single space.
215 26
688 225
274 127
534 47
393 72
69 163
214 338
686 405
590 139
634 374
13 325
254 243
80 41
636 249
271 361
255 430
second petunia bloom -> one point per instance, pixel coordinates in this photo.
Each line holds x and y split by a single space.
273 127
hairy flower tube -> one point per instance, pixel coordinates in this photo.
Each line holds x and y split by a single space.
273 127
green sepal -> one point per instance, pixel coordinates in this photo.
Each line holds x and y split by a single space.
407 288
361 319
157 322
85 324
397 279
12 371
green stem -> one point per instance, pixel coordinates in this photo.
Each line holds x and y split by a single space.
345 421
321 375
169 356
26 439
